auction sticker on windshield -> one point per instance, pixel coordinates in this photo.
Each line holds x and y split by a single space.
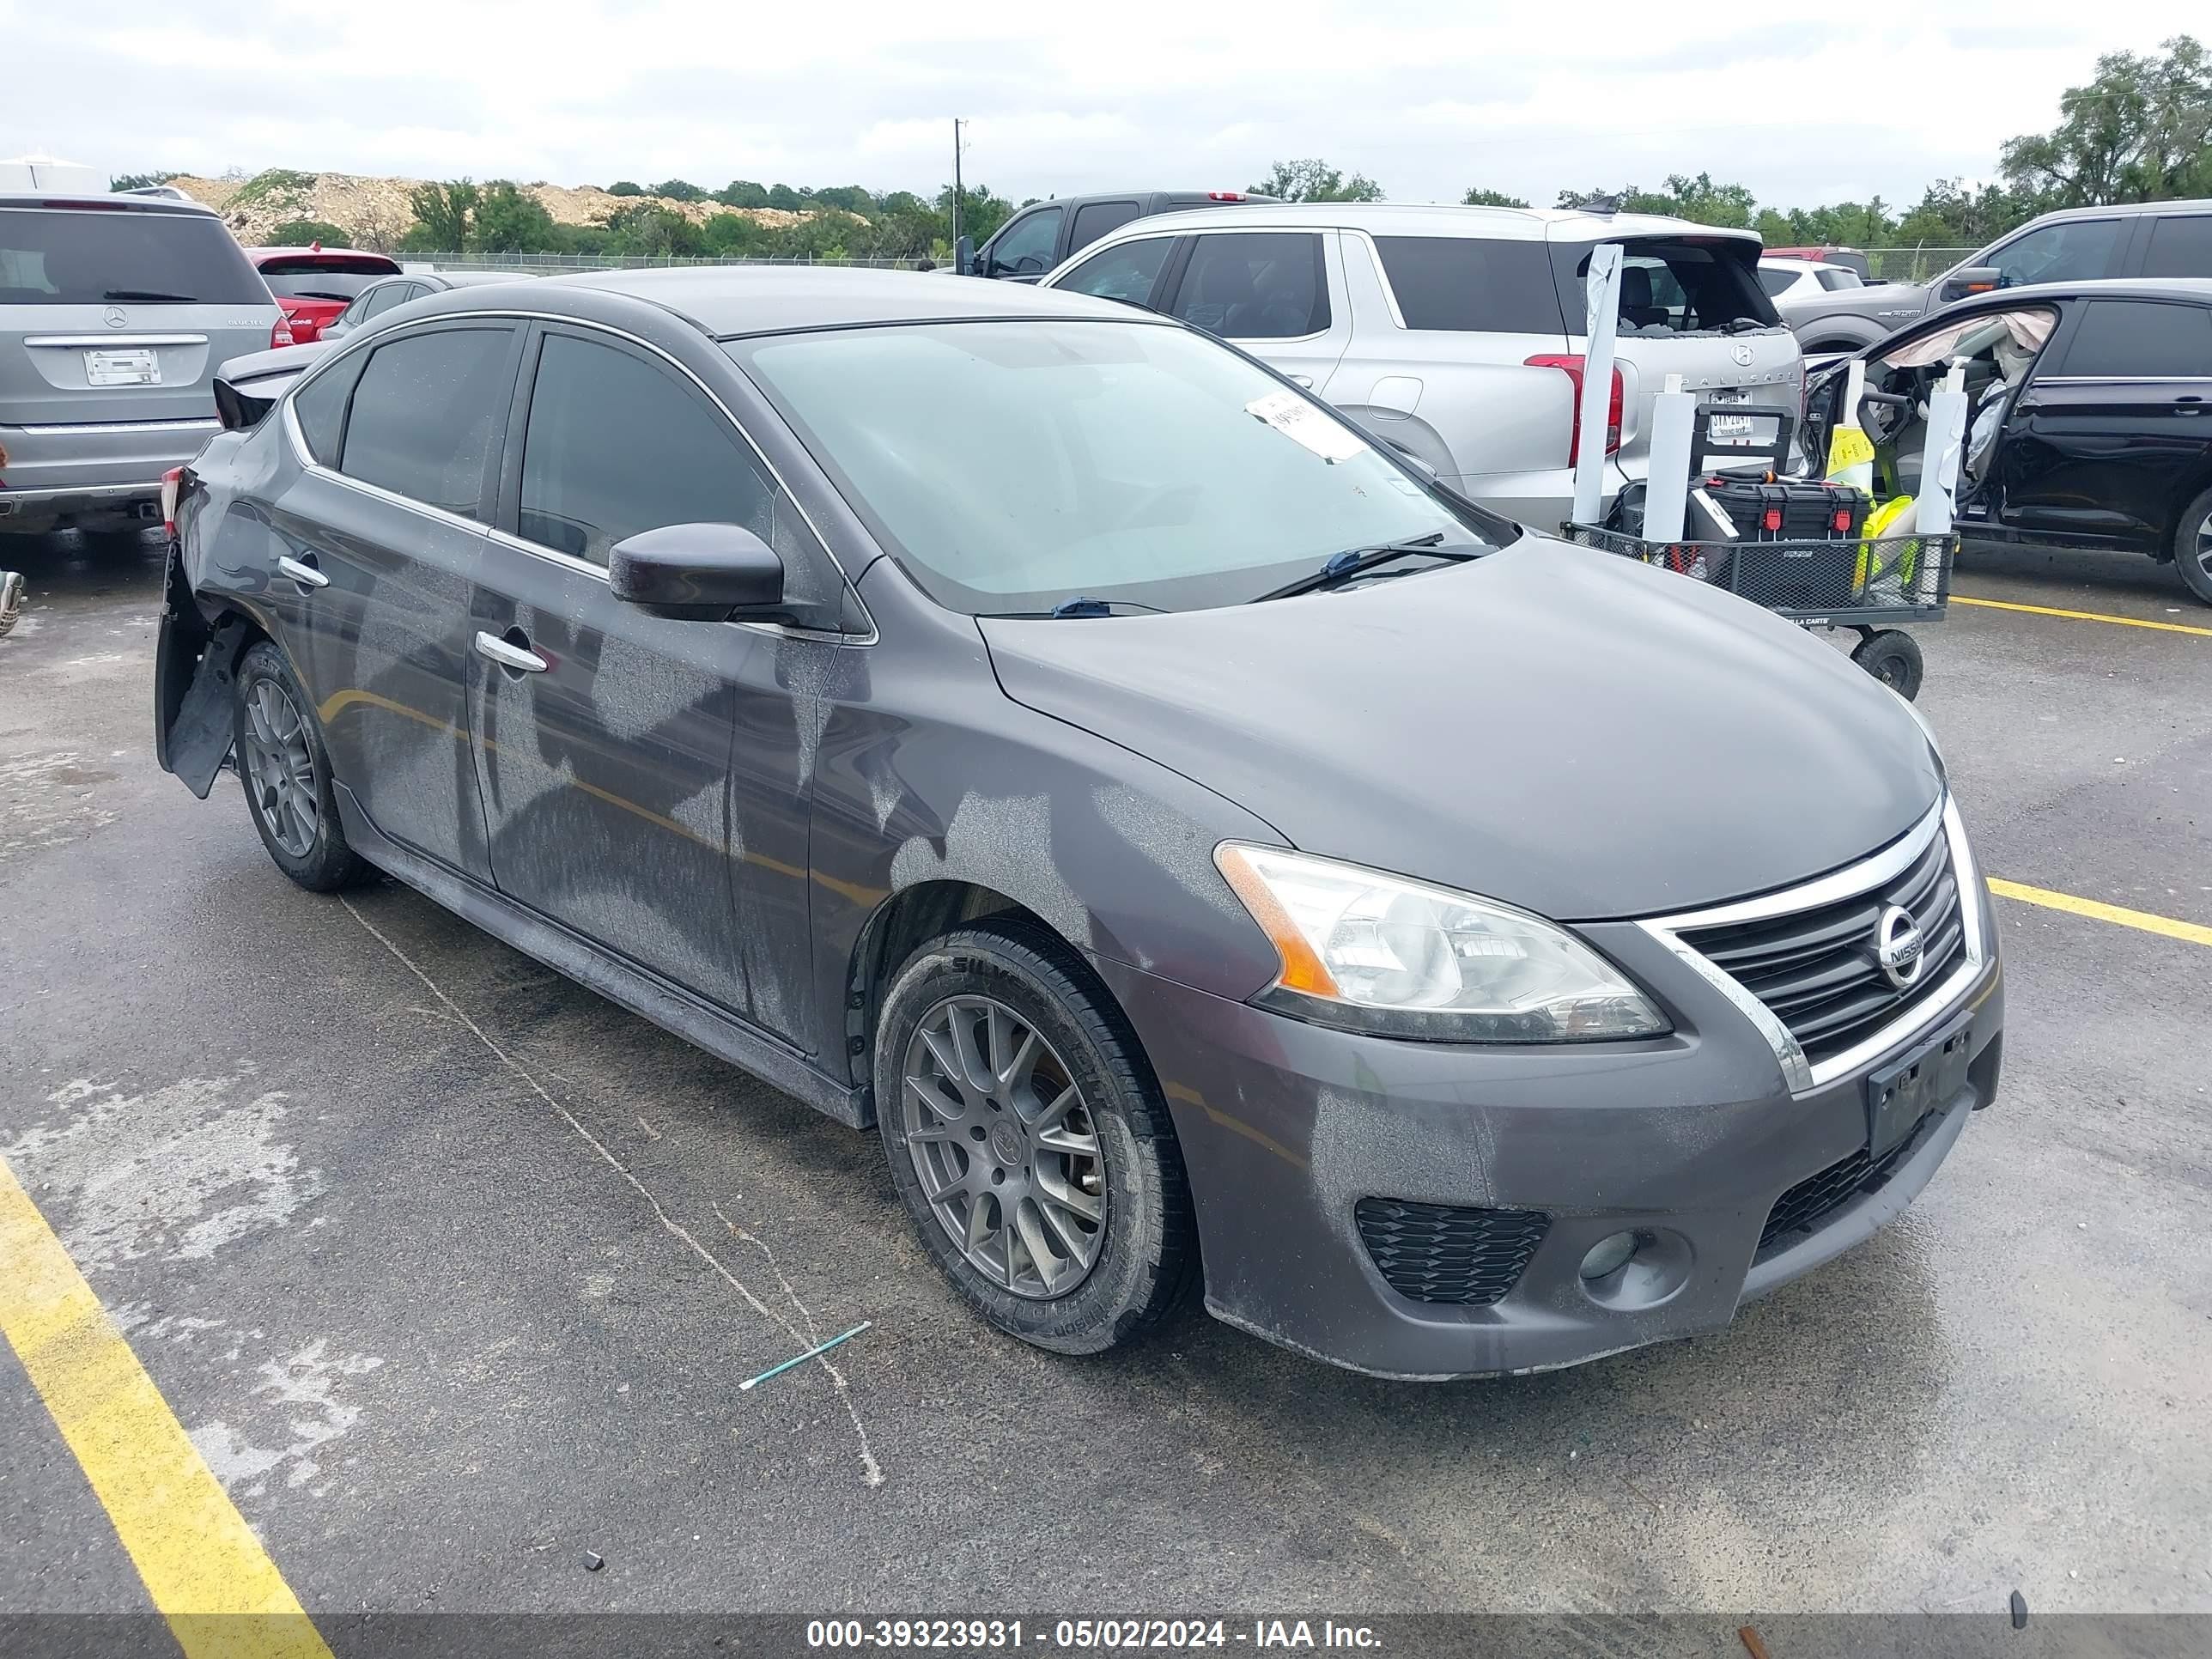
1300 422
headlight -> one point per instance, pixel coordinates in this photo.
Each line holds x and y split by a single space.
1379 953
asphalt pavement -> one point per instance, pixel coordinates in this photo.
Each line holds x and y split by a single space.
450 1269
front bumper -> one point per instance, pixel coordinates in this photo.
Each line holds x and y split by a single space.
1690 1138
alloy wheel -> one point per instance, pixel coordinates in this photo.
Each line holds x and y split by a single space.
1004 1145
280 768
2202 551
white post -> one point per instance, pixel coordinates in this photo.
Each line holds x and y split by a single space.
1602 293
1941 455
1667 479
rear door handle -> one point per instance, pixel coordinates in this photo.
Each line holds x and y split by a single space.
1305 381
305 574
509 655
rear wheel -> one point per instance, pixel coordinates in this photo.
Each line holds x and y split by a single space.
287 774
2192 546
1029 1142
1893 657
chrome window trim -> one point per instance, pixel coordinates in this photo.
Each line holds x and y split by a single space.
2121 379
1800 1075
76 429
114 339
381 335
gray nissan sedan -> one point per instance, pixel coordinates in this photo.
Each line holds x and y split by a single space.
1203 849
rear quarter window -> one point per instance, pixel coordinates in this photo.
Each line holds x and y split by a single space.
1466 284
121 256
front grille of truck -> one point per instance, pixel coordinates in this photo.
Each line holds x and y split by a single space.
1442 1253
1816 969
1805 1207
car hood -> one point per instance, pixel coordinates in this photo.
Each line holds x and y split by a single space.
1570 732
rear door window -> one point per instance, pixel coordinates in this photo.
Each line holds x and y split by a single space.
616 446
1094 219
1668 286
391 294
1126 271
1024 247
2141 339
1471 284
2181 245
1256 285
63 257
427 414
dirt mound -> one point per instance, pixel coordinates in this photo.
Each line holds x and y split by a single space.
374 212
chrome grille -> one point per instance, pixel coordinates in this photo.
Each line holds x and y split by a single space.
1816 969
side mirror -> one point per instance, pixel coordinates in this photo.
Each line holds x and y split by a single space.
697 573
1972 280
963 256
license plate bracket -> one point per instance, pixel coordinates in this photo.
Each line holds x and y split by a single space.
1900 1094
124 366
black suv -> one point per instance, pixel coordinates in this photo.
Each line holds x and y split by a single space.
1042 234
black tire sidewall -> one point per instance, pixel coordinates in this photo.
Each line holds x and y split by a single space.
329 863
1887 646
1140 1266
2194 576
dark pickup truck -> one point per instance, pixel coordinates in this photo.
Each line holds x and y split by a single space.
1044 234
2141 240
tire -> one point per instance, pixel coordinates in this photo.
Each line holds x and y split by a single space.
980 1144
2192 547
1893 657
286 772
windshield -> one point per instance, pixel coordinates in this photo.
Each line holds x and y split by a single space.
1014 465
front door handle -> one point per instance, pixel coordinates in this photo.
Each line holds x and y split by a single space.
305 574
509 655
1305 381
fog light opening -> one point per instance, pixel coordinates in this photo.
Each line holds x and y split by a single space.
1609 1254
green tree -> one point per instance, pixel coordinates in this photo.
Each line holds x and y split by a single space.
679 189
140 180
298 232
1950 214
851 197
625 187
442 215
742 193
648 230
2140 131
1478 197
509 221
784 197
1314 180
734 235
982 212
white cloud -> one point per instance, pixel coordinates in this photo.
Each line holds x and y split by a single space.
1428 98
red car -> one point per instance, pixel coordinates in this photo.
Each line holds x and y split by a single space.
313 284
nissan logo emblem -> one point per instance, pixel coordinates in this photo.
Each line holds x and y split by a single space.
114 316
1898 945
1743 355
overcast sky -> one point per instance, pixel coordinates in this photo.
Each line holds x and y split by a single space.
1805 107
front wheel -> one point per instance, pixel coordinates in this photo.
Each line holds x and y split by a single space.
1029 1140
2192 546
287 774
1893 657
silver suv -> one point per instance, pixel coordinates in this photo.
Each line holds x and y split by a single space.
1455 333
114 313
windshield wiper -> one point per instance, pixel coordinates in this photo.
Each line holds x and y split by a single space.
151 296
1357 561
1081 605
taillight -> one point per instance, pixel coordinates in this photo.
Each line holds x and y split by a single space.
281 334
1225 196
173 484
1570 365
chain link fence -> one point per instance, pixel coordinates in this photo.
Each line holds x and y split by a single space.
1912 265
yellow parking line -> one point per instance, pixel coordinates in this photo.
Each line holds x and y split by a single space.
201 1563
2194 932
2082 616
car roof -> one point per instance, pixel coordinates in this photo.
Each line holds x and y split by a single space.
101 201
1432 219
725 301
2124 211
2196 289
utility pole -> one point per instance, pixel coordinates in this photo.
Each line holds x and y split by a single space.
957 191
